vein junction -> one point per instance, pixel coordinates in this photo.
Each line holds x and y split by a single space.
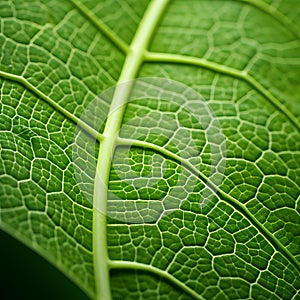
136 54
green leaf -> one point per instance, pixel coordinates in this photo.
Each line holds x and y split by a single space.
201 198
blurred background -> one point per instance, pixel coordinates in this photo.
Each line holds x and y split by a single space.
27 276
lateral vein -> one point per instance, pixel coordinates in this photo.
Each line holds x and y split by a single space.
230 200
110 34
200 62
161 273
47 99
275 14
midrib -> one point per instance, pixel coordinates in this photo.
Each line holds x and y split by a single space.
133 61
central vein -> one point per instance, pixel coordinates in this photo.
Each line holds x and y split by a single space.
132 64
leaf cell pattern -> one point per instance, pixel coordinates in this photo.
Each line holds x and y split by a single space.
242 57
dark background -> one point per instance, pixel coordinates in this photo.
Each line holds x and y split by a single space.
27 276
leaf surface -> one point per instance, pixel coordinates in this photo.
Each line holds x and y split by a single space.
237 240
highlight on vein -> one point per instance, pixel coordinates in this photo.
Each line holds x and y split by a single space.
170 151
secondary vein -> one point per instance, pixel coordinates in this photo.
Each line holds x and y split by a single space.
211 185
111 35
276 14
132 64
47 99
200 62
117 264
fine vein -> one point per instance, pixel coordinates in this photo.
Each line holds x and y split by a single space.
133 61
195 61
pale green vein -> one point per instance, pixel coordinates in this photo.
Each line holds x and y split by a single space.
63 111
277 15
146 145
230 200
201 62
133 61
116 264
110 34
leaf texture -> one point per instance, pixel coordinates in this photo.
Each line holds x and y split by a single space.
242 57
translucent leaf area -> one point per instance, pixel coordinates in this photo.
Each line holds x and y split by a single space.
200 199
